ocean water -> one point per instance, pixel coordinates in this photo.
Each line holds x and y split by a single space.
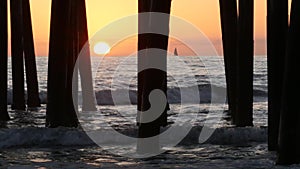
25 143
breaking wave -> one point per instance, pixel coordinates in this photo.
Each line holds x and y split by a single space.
104 97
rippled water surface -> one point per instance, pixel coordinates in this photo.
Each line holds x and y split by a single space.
25 143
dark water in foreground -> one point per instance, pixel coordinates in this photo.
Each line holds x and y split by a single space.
27 144
197 156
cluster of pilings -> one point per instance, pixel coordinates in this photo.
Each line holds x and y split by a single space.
237 36
69 33
283 86
22 49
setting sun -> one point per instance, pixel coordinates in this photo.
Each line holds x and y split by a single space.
101 48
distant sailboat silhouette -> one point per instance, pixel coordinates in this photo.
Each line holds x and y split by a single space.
175 52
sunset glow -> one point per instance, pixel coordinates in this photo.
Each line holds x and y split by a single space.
204 14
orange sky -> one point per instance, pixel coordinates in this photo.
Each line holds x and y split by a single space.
202 13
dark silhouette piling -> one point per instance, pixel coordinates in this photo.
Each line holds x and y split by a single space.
277 27
68 35
22 46
289 131
244 100
3 61
72 50
238 49
229 23
60 111
33 99
17 55
151 78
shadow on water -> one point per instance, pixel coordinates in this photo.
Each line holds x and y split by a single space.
33 117
3 124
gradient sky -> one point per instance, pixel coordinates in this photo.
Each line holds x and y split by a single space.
202 13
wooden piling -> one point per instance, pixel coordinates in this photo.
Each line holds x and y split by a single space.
244 115
72 50
151 79
229 20
277 27
289 131
17 55
59 111
3 61
33 99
